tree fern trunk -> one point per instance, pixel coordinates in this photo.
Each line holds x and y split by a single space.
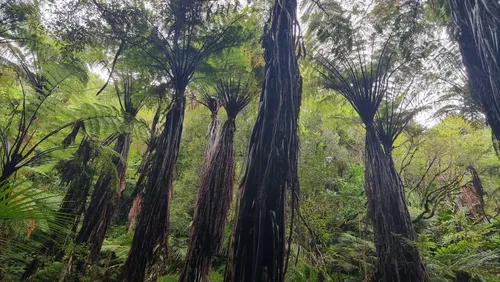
70 211
133 206
214 199
479 24
78 173
212 137
257 251
103 203
151 234
395 237
478 186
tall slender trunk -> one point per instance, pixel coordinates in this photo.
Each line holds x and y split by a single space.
132 207
103 203
478 82
395 237
212 137
481 64
78 173
151 234
478 186
214 199
73 204
257 251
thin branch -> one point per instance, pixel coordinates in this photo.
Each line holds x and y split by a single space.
115 59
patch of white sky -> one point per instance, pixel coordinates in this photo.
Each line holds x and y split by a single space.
439 73
52 11
426 92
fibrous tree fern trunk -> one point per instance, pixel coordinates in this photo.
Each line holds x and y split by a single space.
478 186
78 173
179 50
110 184
257 250
132 208
395 237
214 199
216 191
153 226
365 86
103 203
213 105
479 41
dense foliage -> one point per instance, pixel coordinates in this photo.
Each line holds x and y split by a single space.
134 145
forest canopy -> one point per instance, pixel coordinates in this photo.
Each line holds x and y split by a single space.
264 140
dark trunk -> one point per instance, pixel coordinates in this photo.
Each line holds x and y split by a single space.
8 170
257 251
212 136
478 186
479 85
102 204
394 234
78 173
72 207
214 200
133 206
151 234
478 55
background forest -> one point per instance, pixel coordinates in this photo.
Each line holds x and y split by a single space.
135 147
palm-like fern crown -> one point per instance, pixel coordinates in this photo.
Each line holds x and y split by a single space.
233 96
190 32
377 92
363 84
